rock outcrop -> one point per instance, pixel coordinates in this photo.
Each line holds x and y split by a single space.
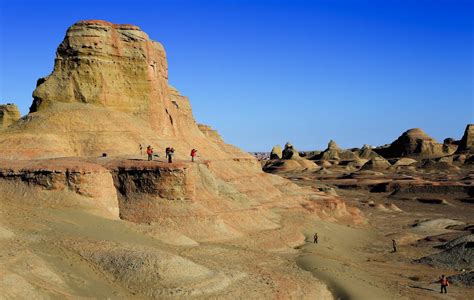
366 152
334 152
414 143
467 142
289 152
9 114
376 163
276 152
109 93
460 256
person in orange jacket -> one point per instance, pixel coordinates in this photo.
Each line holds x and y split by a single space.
193 154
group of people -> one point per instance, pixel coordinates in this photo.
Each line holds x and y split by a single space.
169 151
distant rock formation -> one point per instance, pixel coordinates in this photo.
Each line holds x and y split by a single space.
414 143
276 153
376 163
290 152
9 114
366 152
467 142
334 152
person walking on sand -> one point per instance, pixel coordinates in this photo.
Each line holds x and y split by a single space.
149 152
444 284
315 238
141 149
394 245
193 154
170 155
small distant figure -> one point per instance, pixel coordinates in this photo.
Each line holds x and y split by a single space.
444 284
193 154
167 151
149 152
315 238
141 149
394 245
170 154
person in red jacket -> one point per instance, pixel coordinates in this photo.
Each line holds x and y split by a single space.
149 152
444 284
193 154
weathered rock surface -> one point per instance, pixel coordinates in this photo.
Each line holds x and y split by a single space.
367 153
290 152
467 142
108 93
460 256
276 152
376 163
9 114
457 241
414 143
334 152
462 279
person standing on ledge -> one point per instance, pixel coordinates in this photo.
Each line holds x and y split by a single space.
149 152
394 245
167 152
315 238
193 154
170 154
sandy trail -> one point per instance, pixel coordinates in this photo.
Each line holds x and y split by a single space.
339 259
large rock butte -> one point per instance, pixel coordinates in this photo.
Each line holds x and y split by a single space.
108 93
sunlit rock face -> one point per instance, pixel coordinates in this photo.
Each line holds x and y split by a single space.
9 114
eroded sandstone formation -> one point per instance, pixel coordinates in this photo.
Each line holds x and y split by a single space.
276 152
467 142
9 114
415 143
108 93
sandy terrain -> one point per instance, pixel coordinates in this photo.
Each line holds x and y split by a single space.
359 263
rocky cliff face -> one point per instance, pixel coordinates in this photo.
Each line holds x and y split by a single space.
110 65
467 142
9 114
108 93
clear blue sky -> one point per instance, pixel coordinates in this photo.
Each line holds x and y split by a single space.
267 72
